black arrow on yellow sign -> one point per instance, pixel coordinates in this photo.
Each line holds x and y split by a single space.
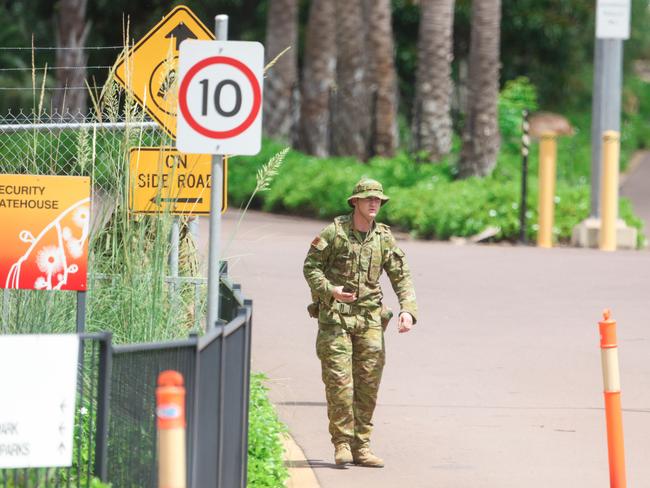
180 33
158 201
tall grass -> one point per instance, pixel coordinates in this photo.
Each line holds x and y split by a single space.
128 293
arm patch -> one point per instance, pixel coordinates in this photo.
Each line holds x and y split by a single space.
319 243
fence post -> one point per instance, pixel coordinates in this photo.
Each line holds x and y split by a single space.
248 303
5 311
81 311
103 402
173 257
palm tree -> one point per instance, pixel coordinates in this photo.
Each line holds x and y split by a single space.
383 78
481 132
351 117
281 80
431 125
318 78
71 34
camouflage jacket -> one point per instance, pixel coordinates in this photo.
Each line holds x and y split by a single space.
338 257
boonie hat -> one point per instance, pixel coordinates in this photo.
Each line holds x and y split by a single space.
367 188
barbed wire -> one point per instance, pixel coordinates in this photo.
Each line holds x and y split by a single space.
56 48
53 88
55 67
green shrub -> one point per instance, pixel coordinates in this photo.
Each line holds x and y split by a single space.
425 199
265 452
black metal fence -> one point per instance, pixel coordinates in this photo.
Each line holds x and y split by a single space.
115 428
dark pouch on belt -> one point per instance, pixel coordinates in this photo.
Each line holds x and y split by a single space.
386 315
313 309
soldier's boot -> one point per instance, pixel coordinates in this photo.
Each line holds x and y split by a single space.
343 454
363 456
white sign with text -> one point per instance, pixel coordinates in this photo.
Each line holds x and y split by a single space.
38 381
220 97
613 19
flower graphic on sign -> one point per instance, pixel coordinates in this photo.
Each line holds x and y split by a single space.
56 253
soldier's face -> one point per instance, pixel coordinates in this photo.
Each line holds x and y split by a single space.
368 208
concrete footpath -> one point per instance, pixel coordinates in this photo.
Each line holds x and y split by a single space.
635 185
499 384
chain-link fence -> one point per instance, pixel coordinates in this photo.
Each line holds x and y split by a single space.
76 145
115 420
130 290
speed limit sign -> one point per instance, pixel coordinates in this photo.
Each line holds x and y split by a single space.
220 97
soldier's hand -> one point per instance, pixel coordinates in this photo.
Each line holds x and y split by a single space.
343 296
405 322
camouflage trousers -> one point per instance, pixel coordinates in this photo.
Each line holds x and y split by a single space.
352 359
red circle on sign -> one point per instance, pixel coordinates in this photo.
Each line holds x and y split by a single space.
219 134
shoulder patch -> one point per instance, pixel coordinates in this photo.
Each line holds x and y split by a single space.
319 243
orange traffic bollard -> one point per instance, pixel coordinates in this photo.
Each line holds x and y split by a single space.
612 382
170 413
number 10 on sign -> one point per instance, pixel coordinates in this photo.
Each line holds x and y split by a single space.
220 97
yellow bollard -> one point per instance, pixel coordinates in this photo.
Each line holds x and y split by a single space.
609 191
547 164
170 412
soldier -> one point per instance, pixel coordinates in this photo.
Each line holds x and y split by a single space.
342 268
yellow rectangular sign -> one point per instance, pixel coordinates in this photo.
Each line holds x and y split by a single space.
165 180
149 70
45 223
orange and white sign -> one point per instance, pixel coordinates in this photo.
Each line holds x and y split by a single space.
45 221
149 71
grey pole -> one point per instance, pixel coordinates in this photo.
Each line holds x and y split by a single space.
606 109
173 254
193 228
221 33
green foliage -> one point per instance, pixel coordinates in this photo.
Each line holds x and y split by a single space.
427 201
265 452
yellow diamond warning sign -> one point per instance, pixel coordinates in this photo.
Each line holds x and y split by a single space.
149 70
163 180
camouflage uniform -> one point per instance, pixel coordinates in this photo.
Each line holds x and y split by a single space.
350 341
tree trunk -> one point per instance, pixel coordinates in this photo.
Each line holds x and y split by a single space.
383 79
481 132
71 33
318 78
281 80
351 118
431 125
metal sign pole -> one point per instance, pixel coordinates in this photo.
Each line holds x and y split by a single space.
606 110
612 28
214 268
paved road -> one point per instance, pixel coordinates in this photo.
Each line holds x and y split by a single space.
500 383
636 186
